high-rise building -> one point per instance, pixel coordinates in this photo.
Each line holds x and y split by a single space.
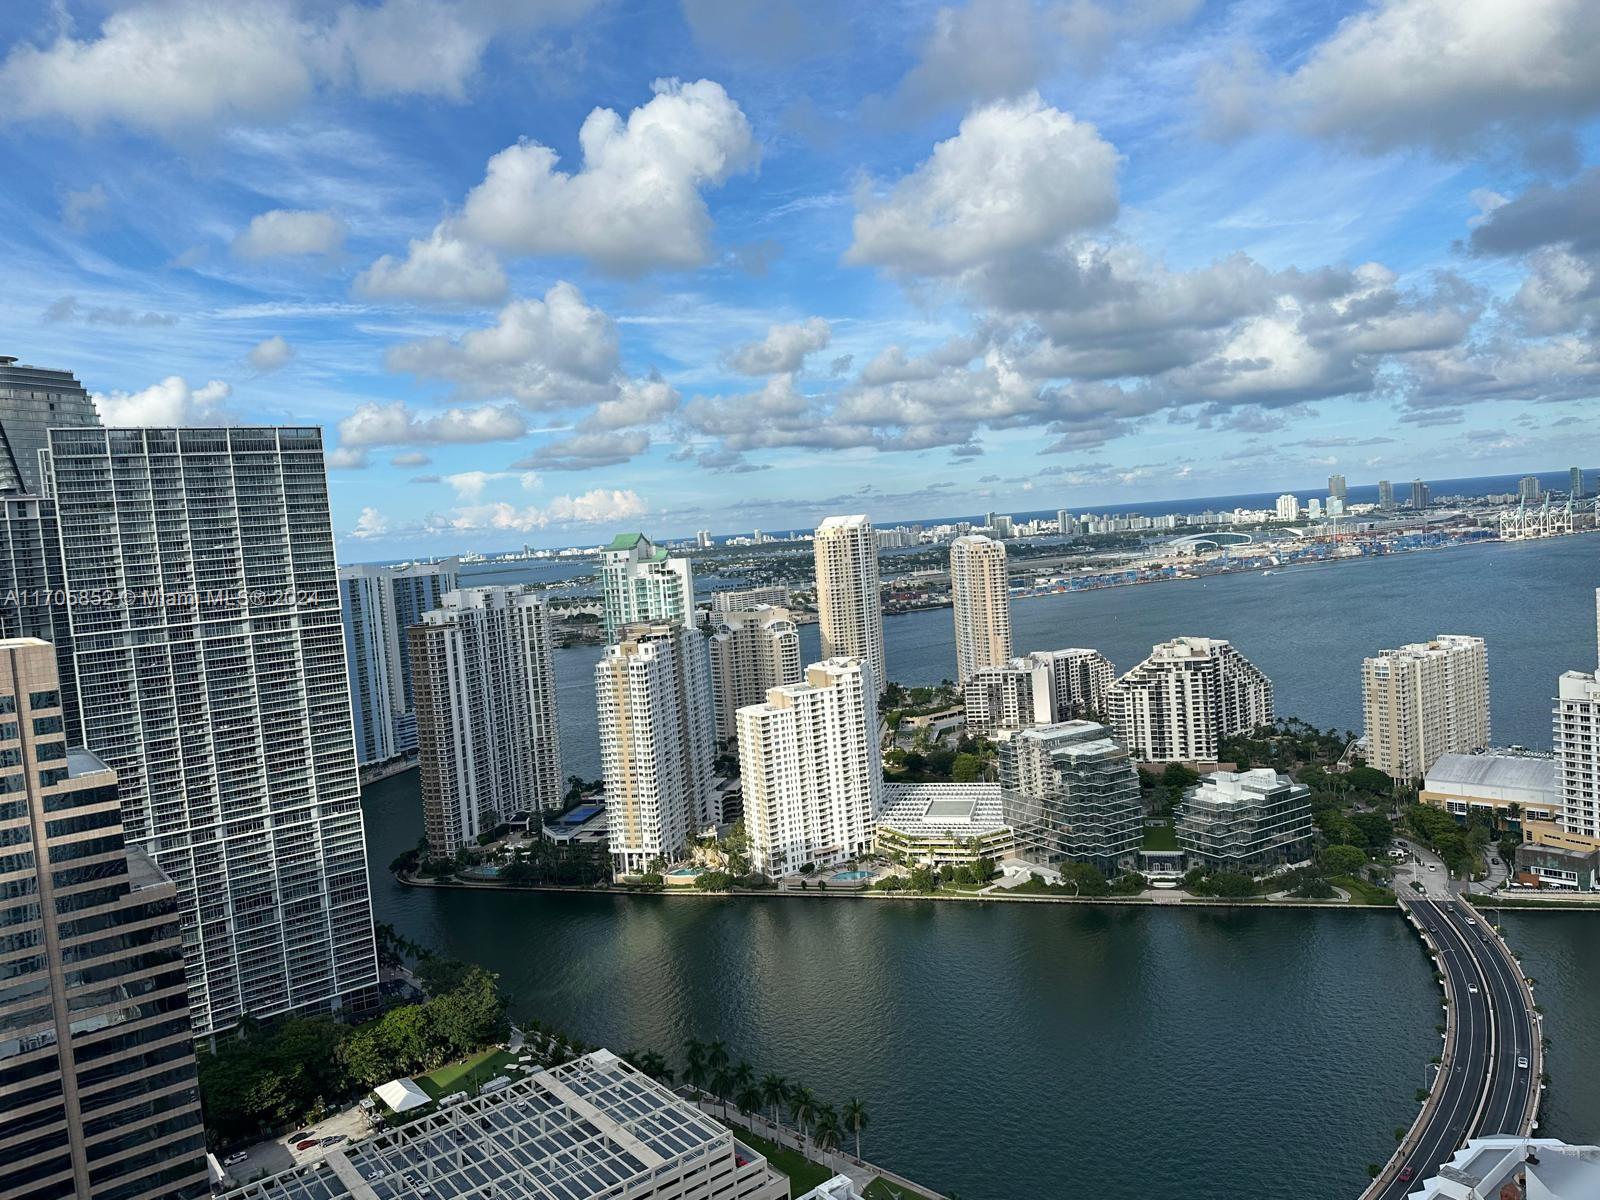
1335 507
1178 704
1577 749
98 1095
1528 488
980 594
641 583
811 768
205 618
1314 508
32 586
1420 496
1071 794
1064 523
748 599
33 401
1424 700
1045 687
1575 487
1288 507
487 737
751 653
1386 495
849 606
1337 489
1246 822
378 604
702 539
657 743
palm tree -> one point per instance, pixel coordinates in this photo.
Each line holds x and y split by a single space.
743 1075
717 1055
855 1120
694 1062
774 1091
652 1064
721 1085
747 1099
827 1127
802 1107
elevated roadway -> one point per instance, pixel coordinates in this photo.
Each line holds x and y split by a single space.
1488 1080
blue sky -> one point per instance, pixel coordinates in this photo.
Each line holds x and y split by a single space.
548 268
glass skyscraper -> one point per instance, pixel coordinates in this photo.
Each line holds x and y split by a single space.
204 603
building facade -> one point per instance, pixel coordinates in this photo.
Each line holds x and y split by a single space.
1421 496
1071 794
752 652
98 1093
1337 489
1045 687
812 769
849 600
1288 507
377 605
943 824
1386 495
489 744
1246 822
1178 704
33 401
657 744
210 658
641 584
1515 787
1424 700
980 596
748 599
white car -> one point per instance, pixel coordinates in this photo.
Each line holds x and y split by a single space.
1433 866
1522 1062
233 1160
1473 988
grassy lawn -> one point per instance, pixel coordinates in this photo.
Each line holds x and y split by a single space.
1362 892
802 1172
459 1076
1160 837
880 1189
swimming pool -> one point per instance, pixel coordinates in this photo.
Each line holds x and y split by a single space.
852 876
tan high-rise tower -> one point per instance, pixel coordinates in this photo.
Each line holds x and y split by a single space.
1424 700
849 607
980 594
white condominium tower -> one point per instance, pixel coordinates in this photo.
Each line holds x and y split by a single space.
1577 747
812 772
657 743
488 741
1042 688
640 583
980 594
205 617
1424 700
751 653
1288 507
378 605
849 606
1178 704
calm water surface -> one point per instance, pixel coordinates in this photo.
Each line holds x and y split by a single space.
1052 1051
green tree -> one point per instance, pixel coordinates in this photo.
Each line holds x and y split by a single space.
967 768
694 1062
803 1110
1343 860
827 1128
775 1092
855 1120
1369 779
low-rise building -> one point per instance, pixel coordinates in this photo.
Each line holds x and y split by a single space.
943 823
1491 784
1246 821
1517 1167
593 1129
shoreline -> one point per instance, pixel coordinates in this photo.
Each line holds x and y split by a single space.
843 894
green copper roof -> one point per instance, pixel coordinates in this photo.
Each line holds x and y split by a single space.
625 541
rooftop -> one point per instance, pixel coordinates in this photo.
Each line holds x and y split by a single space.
919 809
1492 770
575 1132
1238 787
1486 1165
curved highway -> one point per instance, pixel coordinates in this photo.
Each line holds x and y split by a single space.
1484 1091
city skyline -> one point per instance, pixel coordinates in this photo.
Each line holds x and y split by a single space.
432 256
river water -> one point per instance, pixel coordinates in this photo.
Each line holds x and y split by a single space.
1054 1051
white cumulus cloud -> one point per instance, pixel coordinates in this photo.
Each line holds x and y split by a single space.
784 348
438 269
396 424
287 233
171 402
1017 176
270 354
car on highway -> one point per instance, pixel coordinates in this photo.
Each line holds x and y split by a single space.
1473 988
1522 1062
1407 1174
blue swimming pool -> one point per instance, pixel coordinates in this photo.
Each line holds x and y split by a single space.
852 876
